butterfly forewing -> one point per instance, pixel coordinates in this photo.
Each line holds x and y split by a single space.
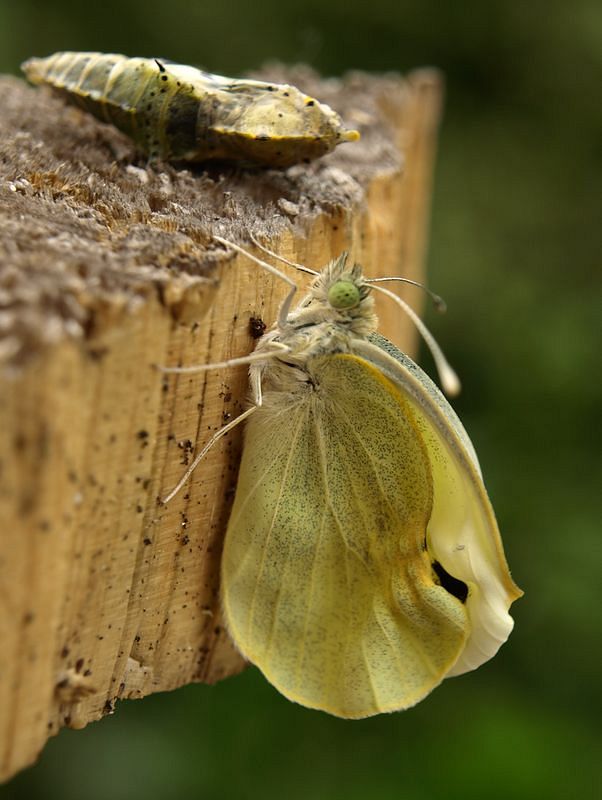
463 534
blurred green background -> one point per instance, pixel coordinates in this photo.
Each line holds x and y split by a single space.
515 249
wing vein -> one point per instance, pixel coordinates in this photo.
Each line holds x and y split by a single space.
370 678
375 471
269 534
309 600
397 611
257 483
339 528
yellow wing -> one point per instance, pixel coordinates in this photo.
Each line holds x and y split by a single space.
326 583
463 535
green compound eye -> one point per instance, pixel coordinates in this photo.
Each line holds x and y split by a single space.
344 294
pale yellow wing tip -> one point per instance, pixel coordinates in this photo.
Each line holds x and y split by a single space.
350 136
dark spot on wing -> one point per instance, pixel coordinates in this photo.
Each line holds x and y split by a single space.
452 585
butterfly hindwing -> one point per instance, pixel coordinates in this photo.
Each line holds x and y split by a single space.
327 586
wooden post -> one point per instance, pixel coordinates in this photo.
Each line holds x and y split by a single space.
107 268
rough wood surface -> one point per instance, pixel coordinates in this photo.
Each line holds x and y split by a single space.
106 268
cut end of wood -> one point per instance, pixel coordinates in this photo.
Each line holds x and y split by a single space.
108 268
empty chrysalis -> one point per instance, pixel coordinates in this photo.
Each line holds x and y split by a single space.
179 113
362 562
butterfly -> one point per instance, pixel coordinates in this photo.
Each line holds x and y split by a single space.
362 562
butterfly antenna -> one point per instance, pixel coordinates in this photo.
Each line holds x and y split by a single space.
438 302
286 305
295 264
449 380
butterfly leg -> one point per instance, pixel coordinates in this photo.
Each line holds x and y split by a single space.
199 457
277 349
255 380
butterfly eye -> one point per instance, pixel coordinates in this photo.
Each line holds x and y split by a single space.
344 294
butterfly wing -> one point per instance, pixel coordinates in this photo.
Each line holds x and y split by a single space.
326 582
463 532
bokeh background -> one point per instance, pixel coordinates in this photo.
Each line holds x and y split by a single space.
515 249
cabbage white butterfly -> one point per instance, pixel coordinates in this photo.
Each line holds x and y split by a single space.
362 562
